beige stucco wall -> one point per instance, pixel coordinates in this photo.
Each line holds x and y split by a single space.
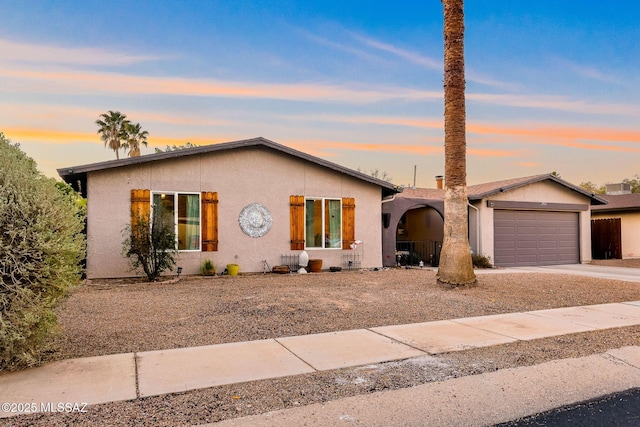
540 192
422 224
630 229
241 177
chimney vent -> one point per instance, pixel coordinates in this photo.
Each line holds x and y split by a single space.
620 188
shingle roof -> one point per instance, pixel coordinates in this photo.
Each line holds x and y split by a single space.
477 192
480 191
422 193
619 202
74 174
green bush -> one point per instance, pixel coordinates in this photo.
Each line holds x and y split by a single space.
41 246
151 244
481 261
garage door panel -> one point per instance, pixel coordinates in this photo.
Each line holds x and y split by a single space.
549 258
548 245
527 259
526 229
530 238
567 245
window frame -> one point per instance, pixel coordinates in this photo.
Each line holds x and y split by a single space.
324 213
175 195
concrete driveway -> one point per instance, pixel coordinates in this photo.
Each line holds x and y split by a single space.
605 272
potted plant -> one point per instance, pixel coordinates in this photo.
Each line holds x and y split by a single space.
208 268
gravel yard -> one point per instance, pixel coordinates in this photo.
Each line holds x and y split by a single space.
107 317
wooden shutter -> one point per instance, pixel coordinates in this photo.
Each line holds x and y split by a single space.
140 205
209 222
296 204
348 222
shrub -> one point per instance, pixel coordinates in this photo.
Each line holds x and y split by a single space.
41 246
208 268
481 261
151 244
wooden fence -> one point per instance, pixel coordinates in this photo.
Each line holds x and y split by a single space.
606 238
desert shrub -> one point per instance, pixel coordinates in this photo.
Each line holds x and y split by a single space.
208 268
41 245
481 261
151 244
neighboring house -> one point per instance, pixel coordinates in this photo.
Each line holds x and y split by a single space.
616 225
248 202
536 220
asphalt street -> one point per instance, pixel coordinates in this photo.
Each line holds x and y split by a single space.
616 410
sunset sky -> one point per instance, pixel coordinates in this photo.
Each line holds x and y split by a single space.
551 85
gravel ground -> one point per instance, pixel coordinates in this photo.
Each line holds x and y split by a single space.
106 317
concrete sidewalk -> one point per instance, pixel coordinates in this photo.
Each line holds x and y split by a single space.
601 271
475 400
129 376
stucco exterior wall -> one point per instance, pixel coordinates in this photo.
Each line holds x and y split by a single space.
540 192
630 230
422 224
241 177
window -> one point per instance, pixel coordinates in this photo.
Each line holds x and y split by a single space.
309 216
323 223
196 224
185 209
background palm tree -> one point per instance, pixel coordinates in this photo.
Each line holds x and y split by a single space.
456 267
135 137
111 128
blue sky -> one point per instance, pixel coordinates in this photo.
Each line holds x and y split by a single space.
551 85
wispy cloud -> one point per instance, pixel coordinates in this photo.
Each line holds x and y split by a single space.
553 134
587 71
408 55
75 82
552 102
429 62
327 148
51 136
58 114
487 152
531 132
342 47
62 137
530 165
38 53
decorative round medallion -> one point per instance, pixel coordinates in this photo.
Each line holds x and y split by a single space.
255 220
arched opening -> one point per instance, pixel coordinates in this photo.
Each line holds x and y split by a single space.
419 234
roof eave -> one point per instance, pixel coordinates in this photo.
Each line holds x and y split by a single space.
72 174
539 178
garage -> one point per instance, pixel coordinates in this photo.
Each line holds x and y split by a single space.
530 237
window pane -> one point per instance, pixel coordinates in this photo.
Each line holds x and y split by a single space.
163 204
188 222
333 224
313 217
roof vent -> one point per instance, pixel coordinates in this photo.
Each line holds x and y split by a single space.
620 188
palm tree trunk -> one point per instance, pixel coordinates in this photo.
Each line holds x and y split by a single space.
455 266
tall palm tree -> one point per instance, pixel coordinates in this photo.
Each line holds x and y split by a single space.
111 128
456 267
135 137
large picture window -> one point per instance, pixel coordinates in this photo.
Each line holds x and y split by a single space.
185 209
323 223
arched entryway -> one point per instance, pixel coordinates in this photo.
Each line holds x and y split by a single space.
412 228
419 236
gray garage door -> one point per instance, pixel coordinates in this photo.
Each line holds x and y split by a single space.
525 238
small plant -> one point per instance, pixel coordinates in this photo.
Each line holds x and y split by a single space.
151 244
208 268
481 261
